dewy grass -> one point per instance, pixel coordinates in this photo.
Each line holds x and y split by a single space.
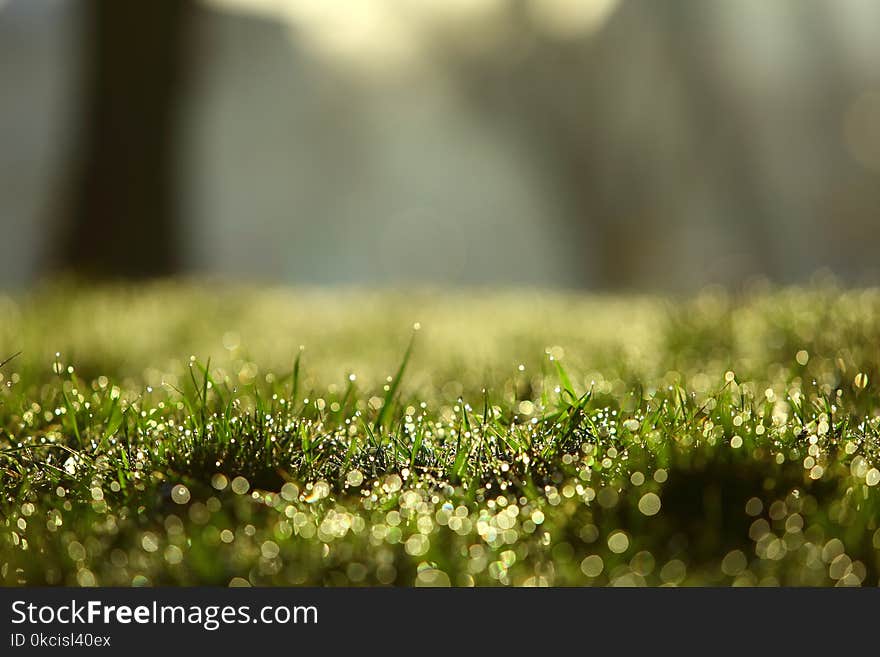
179 434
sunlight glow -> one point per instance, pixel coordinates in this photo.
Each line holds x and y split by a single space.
381 35
571 19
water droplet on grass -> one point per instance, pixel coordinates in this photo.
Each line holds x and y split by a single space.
592 565
618 542
180 494
649 504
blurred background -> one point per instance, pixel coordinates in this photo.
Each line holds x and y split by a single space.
597 144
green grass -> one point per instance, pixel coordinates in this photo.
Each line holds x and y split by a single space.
182 434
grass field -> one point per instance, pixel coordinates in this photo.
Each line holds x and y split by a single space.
183 434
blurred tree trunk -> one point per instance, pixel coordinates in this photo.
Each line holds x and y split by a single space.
122 218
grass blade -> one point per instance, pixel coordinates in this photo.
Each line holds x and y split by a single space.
10 359
385 412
